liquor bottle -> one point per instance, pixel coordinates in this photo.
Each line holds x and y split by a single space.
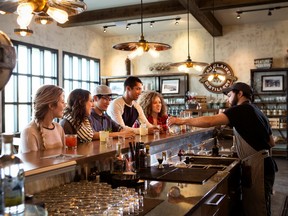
13 177
118 162
215 148
148 156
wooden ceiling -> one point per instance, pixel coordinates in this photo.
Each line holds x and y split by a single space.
202 10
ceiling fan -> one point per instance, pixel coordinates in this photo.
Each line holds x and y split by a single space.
55 9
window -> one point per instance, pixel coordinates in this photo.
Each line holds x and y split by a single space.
80 72
35 66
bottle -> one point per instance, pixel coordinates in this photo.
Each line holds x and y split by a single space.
215 148
142 159
118 162
148 156
13 177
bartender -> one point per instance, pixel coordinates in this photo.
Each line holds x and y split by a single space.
253 136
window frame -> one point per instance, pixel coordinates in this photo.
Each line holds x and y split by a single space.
29 75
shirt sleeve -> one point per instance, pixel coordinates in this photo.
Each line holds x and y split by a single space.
85 132
115 111
29 141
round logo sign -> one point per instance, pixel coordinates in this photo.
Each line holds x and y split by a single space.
217 76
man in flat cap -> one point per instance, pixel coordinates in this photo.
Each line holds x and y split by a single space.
253 141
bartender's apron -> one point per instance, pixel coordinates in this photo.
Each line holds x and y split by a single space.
252 188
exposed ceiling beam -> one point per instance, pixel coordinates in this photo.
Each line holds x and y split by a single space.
206 18
200 9
156 9
230 4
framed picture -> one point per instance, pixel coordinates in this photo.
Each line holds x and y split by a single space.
170 86
272 83
117 87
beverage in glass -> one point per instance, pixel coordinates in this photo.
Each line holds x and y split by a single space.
71 141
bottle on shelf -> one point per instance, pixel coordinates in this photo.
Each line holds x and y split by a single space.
12 177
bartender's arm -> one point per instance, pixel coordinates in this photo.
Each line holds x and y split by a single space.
203 121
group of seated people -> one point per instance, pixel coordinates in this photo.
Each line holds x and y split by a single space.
85 114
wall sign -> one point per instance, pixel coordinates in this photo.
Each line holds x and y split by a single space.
219 70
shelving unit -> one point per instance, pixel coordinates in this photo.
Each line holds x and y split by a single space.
175 99
270 94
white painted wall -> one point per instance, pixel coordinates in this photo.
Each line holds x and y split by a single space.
239 46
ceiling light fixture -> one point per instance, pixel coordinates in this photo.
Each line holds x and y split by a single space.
142 45
213 76
238 14
43 19
23 31
151 24
58 10
259 9
185 66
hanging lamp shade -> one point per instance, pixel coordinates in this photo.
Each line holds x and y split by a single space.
142 45
186 65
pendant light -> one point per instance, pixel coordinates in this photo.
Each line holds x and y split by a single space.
213 76
142 45
185 66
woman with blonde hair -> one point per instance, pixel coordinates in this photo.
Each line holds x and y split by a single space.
154 108
42 132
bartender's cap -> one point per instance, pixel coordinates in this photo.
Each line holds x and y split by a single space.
240 86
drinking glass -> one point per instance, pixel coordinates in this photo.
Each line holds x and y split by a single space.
109 142
103 135
121 140
156 134
71 141
159 157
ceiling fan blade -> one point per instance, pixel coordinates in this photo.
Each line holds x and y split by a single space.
8 6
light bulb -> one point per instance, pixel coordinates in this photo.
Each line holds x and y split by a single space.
24 20
210 77
221 77
24 9
59 15
183 68
43 21
153 53
23 33
133 54
198 68
140 51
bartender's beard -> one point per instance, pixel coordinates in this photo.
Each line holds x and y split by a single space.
234 101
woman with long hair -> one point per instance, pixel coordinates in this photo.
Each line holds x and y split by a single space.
154 108
42 132
76 113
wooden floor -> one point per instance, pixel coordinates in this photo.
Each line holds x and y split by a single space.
280 186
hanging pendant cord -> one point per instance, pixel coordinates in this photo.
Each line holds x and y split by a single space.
188 28
141 18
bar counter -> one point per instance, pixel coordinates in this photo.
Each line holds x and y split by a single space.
51 168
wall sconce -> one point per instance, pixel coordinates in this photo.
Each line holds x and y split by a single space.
151 24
